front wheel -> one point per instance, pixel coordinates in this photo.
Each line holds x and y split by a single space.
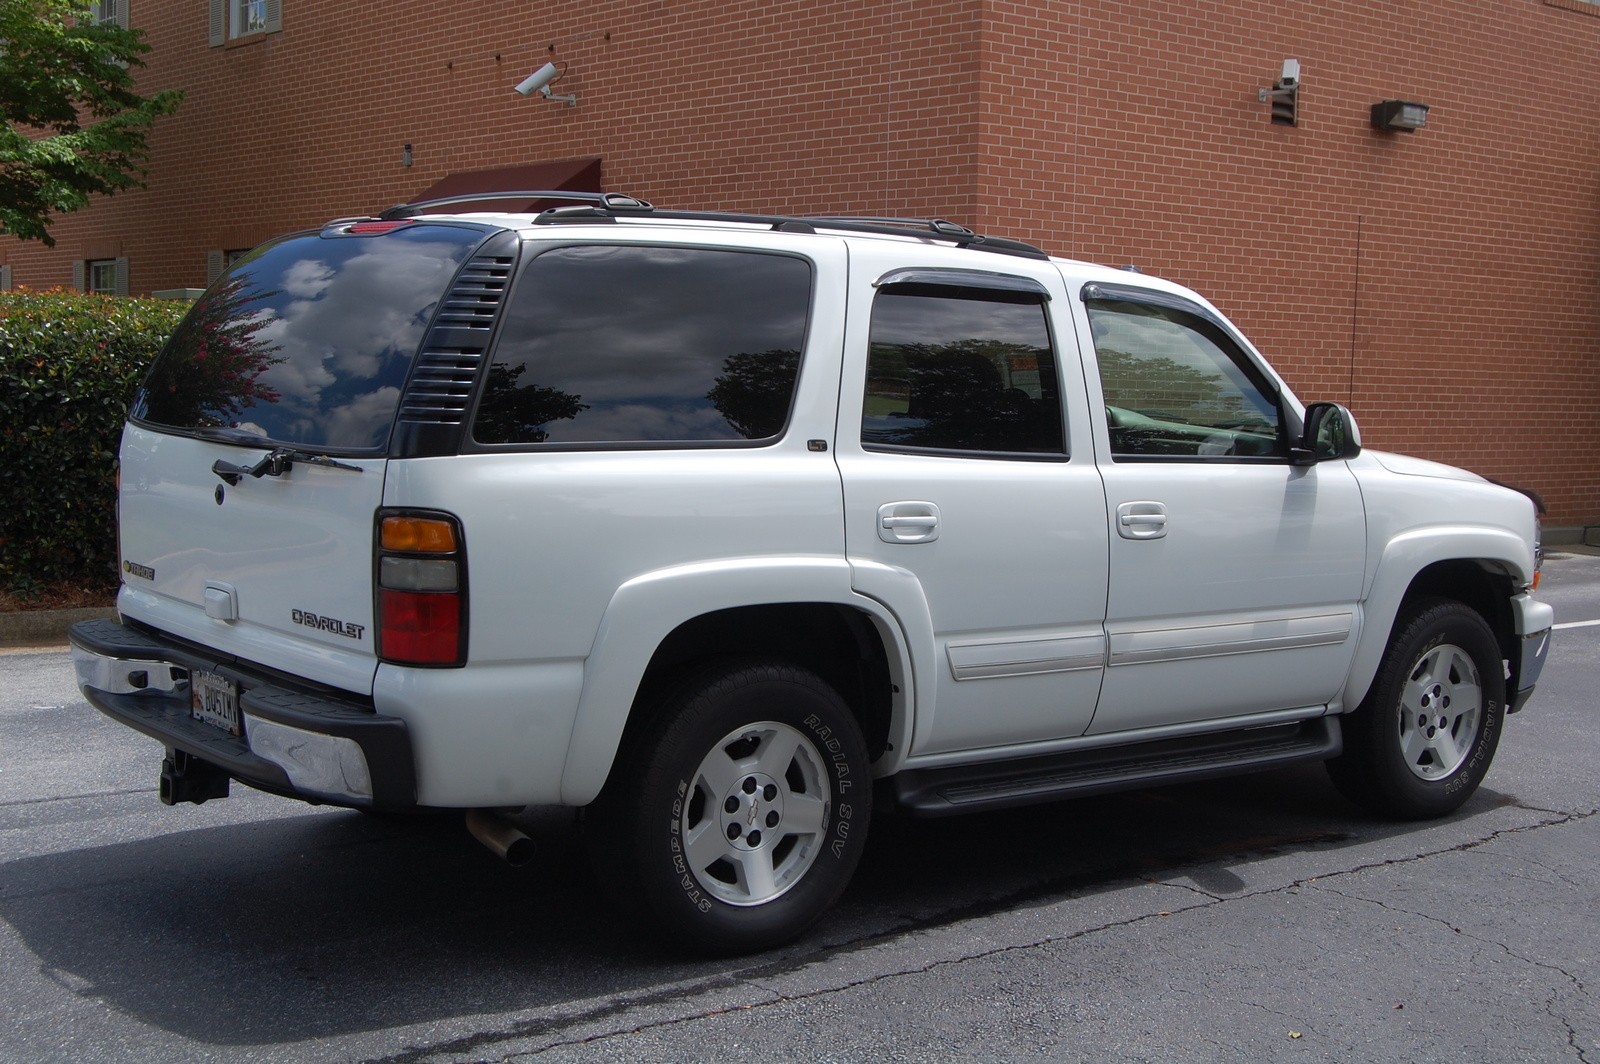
738 814
1422 740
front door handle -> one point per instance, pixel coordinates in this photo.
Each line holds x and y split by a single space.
1141 520
908 522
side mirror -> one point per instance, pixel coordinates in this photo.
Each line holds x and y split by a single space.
1330 433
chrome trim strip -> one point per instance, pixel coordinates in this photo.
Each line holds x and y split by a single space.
1026 657
1220 640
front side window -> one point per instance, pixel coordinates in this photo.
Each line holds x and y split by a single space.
1177 386
306 341
963 371
628 345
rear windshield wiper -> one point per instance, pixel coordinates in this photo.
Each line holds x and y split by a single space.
274 464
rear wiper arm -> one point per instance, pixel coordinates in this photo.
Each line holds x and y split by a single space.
274 464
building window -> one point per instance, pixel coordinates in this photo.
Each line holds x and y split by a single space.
233 20
105 276
248 16
109 12
220 259
102 275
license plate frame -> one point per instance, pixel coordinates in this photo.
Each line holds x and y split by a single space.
214 700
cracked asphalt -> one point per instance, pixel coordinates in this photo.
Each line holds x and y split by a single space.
1257 919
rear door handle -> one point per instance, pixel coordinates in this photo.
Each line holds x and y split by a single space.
908 522
1141 520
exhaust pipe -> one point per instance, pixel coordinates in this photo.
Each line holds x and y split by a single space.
502 836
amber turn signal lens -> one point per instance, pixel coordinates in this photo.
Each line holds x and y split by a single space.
422 535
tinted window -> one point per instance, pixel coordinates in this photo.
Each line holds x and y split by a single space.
955 369
609 344
307 341
1177 386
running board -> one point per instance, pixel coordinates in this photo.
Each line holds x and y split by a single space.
1001 784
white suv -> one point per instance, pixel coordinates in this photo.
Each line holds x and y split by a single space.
725 527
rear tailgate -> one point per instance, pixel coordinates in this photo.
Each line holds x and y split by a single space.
299 354
275 570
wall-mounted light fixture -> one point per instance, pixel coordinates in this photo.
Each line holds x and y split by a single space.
1406 116
405 155
539 81
1284 95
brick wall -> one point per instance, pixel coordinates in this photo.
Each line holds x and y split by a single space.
1442 283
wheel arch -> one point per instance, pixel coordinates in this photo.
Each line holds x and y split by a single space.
1415 568
802 612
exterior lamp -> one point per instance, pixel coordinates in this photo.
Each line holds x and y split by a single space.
1404 115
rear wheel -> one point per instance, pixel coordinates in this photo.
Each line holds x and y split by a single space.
1422 740
738 816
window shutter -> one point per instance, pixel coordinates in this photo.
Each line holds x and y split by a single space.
274 16
219 23
121 286
5 278
77 276
122 13
215 261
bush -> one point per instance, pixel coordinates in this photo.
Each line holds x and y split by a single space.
68 367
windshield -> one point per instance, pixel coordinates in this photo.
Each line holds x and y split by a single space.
306 341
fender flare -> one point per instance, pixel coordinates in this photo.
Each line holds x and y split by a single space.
651 606
1403 558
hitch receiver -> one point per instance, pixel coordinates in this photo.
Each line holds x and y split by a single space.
186 778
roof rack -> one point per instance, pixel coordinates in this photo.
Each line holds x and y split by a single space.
609 206
610 202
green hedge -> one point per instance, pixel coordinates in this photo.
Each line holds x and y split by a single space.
68 366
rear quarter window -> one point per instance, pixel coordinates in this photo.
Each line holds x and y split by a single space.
638 346
306 341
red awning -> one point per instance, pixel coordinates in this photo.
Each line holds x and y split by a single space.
571 175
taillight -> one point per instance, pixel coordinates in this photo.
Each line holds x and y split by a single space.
422 588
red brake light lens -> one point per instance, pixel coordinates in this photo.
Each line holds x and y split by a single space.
420 627
375 228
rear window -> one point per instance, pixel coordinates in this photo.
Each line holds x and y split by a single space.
306 341
632 345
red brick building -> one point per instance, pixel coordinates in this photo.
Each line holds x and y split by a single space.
1445 283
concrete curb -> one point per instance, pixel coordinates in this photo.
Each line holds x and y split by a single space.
45 628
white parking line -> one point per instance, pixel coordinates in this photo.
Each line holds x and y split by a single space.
1575 624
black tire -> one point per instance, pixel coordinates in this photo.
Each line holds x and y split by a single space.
736 816
1421 741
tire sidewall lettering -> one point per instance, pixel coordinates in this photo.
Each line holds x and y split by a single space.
841 838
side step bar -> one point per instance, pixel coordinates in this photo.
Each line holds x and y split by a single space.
1003 784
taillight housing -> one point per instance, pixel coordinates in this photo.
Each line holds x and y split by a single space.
420 572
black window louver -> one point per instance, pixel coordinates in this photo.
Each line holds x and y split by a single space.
442 380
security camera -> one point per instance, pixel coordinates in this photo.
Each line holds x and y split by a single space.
1291 74
539 80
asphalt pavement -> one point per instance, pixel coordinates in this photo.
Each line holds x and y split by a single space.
1257 919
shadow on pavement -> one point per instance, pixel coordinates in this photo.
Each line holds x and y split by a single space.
333 923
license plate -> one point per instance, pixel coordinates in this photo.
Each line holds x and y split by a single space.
214 699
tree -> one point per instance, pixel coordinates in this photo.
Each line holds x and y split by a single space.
73 125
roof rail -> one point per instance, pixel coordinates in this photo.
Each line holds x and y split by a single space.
935 228
608 206
610 202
